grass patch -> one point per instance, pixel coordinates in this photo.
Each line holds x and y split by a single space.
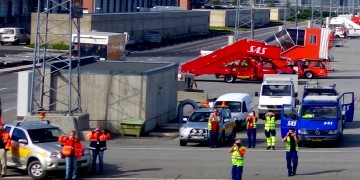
58 46
226 28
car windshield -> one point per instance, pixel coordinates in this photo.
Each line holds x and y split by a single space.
199 117
318 112
232 105
44 135
7 31
276 90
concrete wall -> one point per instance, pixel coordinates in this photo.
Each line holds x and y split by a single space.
109 99
226 17
170 24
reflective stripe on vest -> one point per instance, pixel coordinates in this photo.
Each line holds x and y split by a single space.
253 122
269 123
288 146
236 159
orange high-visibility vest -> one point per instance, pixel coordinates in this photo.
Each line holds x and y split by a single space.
72 146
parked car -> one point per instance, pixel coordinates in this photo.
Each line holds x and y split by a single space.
240 105
34 148
14 35
196 127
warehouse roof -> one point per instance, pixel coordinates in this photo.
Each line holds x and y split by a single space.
121 67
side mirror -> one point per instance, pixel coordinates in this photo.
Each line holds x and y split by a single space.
23 141
256 93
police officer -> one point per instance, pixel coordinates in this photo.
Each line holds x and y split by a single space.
270 132
213 127
291 146
237 159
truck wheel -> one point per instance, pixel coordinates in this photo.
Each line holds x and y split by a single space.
229 78
309 75
35 170
183 143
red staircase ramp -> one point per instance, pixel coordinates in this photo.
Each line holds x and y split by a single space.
214 62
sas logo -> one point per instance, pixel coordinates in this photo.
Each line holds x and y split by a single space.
257 50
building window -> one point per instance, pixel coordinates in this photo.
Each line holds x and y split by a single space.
312 39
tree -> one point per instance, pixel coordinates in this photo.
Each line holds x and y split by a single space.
215 2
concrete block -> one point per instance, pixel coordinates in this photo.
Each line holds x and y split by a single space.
198 97
77 122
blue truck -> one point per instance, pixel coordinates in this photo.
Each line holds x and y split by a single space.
321 116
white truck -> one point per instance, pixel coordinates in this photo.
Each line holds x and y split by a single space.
276 90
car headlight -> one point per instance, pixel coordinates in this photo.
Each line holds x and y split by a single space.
182 129
333 131
86 152
55 155
302 131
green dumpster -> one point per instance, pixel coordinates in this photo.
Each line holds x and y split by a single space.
131 126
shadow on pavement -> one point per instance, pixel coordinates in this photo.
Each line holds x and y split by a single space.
112 171
322 172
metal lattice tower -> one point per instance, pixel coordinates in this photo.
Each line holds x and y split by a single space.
290 13
46 95
243 18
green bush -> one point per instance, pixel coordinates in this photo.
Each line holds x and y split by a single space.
58 46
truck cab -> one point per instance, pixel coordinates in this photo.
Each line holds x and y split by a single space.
276 90
321 117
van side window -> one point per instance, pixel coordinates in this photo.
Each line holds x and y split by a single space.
244 108
18 134
22 31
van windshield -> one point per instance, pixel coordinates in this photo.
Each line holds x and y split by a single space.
276 90
233 106
316 112
44 135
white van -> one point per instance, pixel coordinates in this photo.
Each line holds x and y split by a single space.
240 105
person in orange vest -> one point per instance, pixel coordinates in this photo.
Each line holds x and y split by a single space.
5 144
72 150
97 145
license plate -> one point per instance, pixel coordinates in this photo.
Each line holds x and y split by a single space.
6 38
317 139
197 137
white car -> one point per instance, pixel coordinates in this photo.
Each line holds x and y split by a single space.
14 35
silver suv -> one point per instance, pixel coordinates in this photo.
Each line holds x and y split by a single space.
14 36
34 148
196 127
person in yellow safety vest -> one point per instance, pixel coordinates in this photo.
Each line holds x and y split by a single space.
237 159
270 132
213 127
291 147
308 114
